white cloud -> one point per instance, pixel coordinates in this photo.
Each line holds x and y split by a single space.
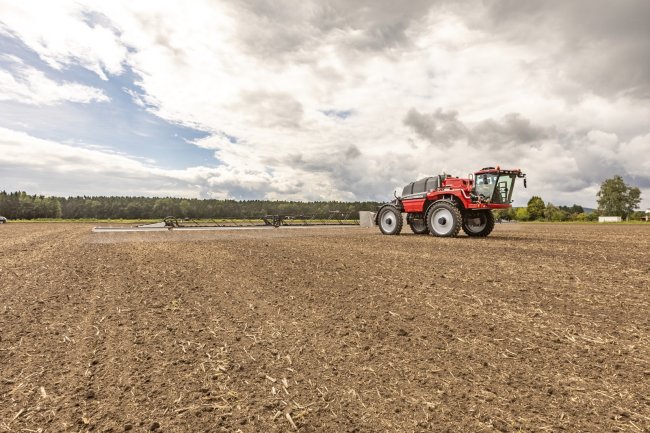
635 154
85 170
63 32
30 86
265 74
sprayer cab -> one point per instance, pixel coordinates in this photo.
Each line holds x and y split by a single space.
493 185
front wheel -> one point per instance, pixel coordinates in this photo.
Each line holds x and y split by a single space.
478 223
443 219
390 220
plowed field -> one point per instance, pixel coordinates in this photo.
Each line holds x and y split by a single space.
536 328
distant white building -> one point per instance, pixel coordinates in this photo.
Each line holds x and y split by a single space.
610 219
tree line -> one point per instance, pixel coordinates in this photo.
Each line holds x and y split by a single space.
538 210
615 198
20 205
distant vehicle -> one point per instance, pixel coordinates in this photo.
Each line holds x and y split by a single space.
3 220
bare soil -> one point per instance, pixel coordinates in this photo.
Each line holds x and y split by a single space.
536 328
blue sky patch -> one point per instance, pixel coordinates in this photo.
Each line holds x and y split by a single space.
339 114
121 125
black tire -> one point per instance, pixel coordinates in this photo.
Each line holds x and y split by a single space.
390 220
419 226
485 223
444 219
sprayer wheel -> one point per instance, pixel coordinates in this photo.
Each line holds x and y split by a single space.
444 219
390 220
479 223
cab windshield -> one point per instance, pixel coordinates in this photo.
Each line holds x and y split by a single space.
495 187
485 184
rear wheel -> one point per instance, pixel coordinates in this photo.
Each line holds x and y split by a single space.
443 219
478 224
419 227
390 220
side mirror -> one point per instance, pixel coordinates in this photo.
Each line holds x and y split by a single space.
525 183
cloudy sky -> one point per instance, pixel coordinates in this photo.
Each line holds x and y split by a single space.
330 99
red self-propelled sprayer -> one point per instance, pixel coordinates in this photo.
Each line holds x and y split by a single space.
441 205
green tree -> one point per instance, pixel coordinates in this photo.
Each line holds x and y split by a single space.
575 209
536 208
555 214
615 198
50 208
26 206
521 214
